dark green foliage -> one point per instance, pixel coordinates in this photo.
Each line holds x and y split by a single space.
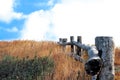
25 69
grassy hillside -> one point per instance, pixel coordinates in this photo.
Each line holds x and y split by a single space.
66 68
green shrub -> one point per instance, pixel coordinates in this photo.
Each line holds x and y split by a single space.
25 69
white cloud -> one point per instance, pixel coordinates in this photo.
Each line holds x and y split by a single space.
87 19
36 25
6 11
82 1
76 17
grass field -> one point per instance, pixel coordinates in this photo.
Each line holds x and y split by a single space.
66 68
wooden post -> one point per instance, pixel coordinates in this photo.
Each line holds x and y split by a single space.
79 40
105 46
60 39
72 46
64 40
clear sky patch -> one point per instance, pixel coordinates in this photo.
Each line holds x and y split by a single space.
29 6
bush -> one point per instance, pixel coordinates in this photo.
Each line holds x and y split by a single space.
25 69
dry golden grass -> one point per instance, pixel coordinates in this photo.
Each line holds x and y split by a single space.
117 56
117 63
66 68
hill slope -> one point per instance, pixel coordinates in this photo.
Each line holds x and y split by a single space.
66 68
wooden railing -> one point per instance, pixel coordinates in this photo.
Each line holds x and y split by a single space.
100 64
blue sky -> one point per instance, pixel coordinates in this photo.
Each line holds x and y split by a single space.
51 19
29 6
11 29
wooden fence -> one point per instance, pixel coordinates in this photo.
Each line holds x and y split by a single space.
100 64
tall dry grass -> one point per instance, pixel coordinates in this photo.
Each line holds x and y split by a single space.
117 63
66 68
117 56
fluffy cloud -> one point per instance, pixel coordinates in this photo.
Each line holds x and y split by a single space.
36 25
89 19
75 17
6 11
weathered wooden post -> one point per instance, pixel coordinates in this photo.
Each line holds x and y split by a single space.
64 40
79 40
72 46
60 39
105 46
